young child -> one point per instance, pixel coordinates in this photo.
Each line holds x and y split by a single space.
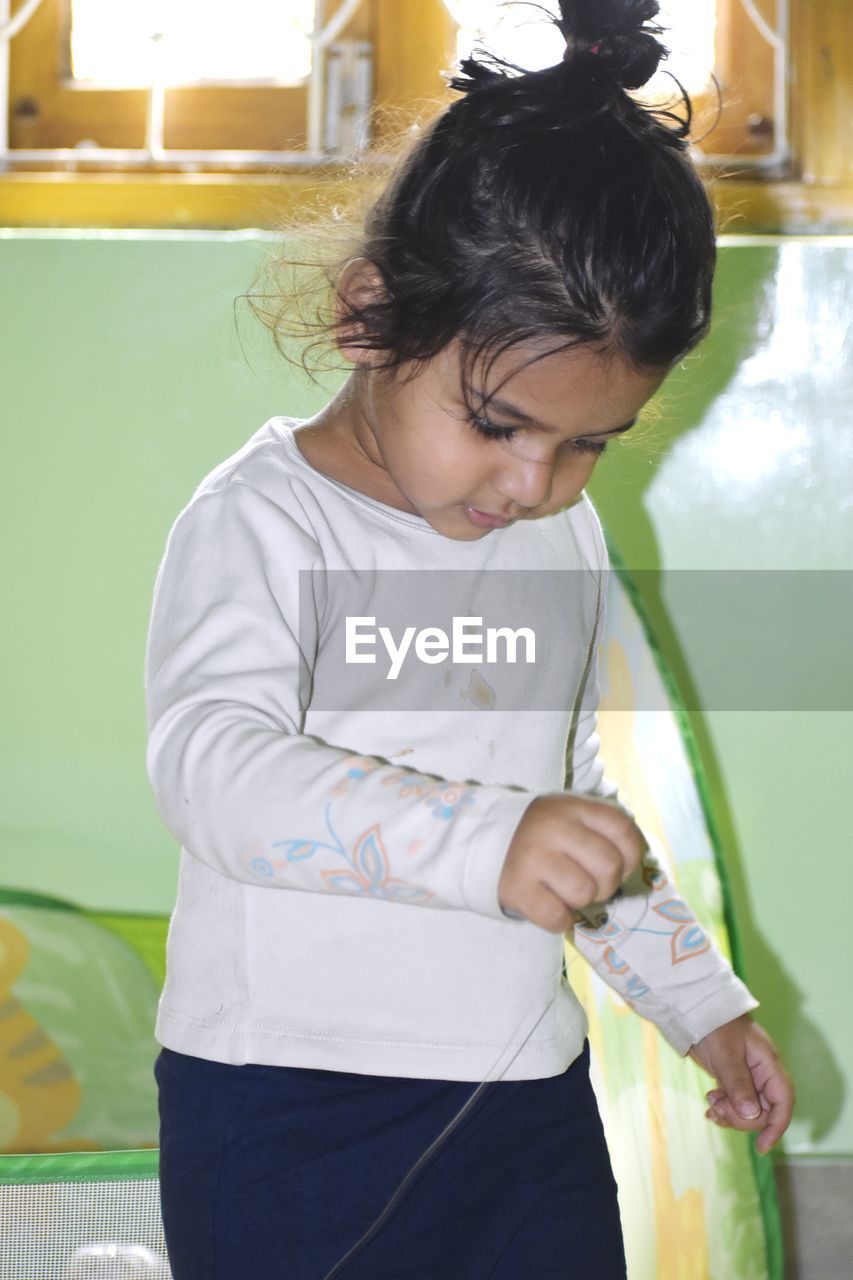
377 873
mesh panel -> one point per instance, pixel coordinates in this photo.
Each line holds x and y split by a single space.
82 1231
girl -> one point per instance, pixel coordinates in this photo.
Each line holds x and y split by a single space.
381 849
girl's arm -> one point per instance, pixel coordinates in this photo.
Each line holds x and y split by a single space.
651 950
655 954
233 632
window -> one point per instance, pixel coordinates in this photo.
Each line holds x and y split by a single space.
201 123
517 32
188 84
184 41
745 48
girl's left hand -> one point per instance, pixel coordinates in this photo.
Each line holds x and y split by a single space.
755 1092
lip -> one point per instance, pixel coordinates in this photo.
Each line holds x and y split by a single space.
485 520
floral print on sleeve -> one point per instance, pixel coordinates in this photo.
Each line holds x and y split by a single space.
366 865
630 922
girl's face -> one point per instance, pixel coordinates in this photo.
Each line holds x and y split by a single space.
527 454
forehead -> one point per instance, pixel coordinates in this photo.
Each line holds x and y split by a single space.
544 381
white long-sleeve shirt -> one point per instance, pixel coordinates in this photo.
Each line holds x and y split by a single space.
342 833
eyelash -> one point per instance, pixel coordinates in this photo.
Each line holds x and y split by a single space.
493 432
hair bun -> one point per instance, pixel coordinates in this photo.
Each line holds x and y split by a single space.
615 36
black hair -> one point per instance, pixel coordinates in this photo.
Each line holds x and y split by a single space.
546 205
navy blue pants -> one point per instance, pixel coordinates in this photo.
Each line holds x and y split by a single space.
274 1173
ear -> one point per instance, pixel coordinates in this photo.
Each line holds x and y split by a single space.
360 285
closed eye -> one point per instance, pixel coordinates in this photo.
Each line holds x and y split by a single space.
492 431
589 446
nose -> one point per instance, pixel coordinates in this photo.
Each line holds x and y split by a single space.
526 482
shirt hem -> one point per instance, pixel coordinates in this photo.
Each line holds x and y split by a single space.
238 1045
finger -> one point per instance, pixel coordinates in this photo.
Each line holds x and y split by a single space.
548 910
611 821
569 881
772 1123
778 1098
727 1115
776 1125
735 1079
775 1090
596 855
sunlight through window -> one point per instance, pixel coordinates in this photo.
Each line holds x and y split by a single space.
131 43
519 32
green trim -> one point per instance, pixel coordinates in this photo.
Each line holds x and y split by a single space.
762 1167
21 898
143 932
768 1198
146 935
80 1166
683 720
26 898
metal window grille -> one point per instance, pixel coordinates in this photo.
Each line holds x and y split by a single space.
338 103
339 99
778 38
480 19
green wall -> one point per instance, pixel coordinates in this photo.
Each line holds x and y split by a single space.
129 371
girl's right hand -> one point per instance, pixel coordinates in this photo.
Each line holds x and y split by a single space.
568 851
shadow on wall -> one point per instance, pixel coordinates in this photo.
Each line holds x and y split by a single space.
745 311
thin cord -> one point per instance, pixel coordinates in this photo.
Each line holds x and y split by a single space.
436 1143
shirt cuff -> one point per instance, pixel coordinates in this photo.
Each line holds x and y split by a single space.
729 1001
487 850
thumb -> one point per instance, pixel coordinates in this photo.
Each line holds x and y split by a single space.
736 1080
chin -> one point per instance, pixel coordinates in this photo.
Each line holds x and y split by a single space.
459 534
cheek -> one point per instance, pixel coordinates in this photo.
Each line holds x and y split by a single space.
418 468
445 461
573 471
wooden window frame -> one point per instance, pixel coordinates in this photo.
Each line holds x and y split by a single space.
413 41
50 110
742 117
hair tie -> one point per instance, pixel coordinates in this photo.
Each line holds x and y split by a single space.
571 50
